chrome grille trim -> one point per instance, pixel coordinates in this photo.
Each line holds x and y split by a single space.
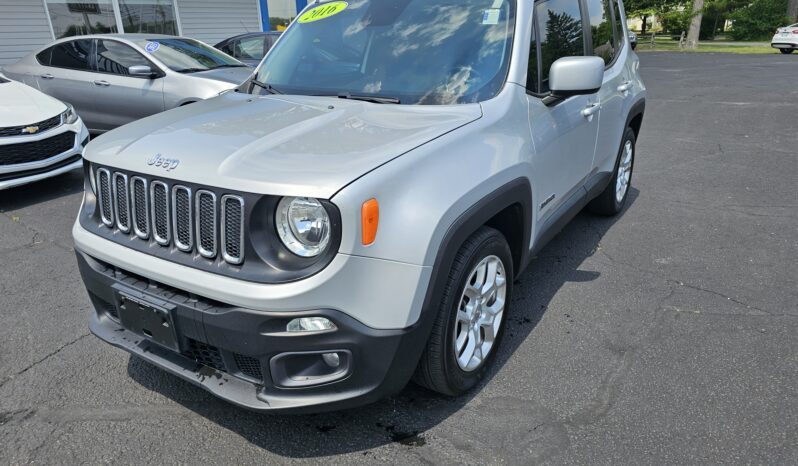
104 197
121 202
141 224
229 242
206 228
160 220
182 225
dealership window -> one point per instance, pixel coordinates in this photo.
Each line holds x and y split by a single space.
78 18
148 16
281 13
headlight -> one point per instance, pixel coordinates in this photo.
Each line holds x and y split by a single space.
69 116
303 226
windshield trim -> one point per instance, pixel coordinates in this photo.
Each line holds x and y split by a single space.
510 55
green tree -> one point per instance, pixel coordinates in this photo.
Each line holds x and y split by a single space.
758 20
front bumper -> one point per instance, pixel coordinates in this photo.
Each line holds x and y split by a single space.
19 174
234 352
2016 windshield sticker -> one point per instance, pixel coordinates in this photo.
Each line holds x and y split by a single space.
491 16
152 46
323 12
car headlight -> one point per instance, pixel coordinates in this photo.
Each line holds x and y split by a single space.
303 225
69 116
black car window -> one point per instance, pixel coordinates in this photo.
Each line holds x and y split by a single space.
249 48
73 55
560 34
228 47
43 57
601 29
117 58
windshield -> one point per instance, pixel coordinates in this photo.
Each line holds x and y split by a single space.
433 52
188 55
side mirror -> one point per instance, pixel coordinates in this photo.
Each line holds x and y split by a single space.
142 71
571 76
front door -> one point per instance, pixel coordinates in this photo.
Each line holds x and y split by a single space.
564 133
122 98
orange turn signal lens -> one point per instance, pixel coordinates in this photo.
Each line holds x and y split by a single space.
370 221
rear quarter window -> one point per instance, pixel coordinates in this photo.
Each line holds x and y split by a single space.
43 57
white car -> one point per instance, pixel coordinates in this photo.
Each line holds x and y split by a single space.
40 136
786 39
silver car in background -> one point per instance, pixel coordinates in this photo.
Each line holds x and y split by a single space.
113 79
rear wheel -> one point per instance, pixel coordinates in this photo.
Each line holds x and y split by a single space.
786 51
471 315
612 200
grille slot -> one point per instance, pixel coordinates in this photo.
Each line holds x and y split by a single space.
206 223
207 355
233 229
194 221
104 194
181 218
121 202
248 366
36 151
45 125
140 209
161 230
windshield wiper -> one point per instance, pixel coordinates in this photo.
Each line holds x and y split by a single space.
268 87
240 65
192 70
370 98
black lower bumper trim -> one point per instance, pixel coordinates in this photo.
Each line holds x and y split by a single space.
382 361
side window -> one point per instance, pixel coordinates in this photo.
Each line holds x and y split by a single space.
619 31
43 57
73 55
601 29
228 48
532 72
116 58
559 32
250 48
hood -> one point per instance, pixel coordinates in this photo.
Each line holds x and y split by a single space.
281 145
24 105
228 75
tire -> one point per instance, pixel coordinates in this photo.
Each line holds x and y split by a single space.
441 367
786 51
608 202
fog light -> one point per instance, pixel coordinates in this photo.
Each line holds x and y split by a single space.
331 359
310 324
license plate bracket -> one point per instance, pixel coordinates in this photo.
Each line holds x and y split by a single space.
154 321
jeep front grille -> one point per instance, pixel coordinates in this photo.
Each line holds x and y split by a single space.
172 215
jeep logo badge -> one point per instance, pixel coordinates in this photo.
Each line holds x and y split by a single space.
162 162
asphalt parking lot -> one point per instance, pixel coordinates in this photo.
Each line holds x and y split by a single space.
666 335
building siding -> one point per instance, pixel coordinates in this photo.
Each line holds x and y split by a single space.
212 21
23 28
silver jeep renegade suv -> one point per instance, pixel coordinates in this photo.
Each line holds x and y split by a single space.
354 215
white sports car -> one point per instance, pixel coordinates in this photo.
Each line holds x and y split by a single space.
786 39
40 136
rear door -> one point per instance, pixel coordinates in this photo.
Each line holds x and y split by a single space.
68 75
609 43
121 98
564 133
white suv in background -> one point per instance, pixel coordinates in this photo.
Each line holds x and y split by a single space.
40 137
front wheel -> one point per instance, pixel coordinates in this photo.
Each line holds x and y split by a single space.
786 51
612 200
471 315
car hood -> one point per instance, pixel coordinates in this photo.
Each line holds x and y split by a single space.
24 105
281 145
229 75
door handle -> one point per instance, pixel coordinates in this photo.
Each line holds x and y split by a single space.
47 76
625 88
102 83
590 110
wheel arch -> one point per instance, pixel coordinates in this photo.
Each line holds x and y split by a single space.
635 118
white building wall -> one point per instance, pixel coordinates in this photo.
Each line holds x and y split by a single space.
23 27
212 21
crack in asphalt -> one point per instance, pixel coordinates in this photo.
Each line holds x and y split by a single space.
36 233
45 358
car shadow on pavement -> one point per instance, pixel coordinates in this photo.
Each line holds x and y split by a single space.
41 191
405 417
